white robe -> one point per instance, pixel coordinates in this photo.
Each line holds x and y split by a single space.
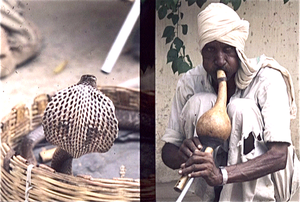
262 109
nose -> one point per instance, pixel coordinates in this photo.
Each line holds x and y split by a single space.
220 59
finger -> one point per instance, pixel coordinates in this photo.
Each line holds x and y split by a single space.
202 173
198 158
191 169
194 144
191 146
187 148
196 162
182 166
202 153
183 155
197 143
198 152
207 167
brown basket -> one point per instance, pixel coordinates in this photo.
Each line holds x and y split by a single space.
43 183
123 98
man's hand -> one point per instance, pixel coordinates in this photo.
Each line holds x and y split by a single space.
188 147
174 156
201 164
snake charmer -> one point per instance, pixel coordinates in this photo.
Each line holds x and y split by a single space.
258 161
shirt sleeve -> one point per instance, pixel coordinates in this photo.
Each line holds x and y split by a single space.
274 103
190 83
173 133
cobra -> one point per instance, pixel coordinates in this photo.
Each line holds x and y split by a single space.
79 120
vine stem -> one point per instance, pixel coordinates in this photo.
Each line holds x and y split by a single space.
178 12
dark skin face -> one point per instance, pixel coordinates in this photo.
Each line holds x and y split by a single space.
217 55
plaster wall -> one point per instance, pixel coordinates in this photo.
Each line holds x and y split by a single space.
274 31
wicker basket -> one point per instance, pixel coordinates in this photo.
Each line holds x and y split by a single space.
41 183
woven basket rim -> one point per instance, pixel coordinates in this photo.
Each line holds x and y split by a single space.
48 185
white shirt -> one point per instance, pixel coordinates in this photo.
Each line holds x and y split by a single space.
268 90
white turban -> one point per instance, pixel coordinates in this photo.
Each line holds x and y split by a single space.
221 23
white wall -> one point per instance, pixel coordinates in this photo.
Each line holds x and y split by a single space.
274 31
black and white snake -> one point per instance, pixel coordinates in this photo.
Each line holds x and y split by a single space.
78 120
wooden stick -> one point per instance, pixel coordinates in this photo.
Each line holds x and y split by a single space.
60 67
121 38
46 155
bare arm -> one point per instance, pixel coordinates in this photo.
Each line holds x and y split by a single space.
170 157
202 165
174 156
273 160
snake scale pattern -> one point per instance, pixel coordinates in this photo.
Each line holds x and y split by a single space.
80 119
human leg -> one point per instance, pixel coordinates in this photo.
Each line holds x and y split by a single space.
197 105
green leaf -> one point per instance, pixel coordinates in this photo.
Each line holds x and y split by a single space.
200 3
162 12
172 55
175 64
183 50
184 67
175 2
179 4
171 5
168 31
157 4
169 34
285 1
184 29
180 65
189 60
181 15
170 15
175 19
170 38
178 43
224 1
190 2
236 4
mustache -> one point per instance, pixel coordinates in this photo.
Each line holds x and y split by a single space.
225 68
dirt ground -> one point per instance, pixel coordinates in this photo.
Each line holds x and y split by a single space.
80 32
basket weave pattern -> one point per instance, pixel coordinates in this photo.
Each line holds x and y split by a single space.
46 184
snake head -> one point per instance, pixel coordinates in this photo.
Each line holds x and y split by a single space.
80 119
88 80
